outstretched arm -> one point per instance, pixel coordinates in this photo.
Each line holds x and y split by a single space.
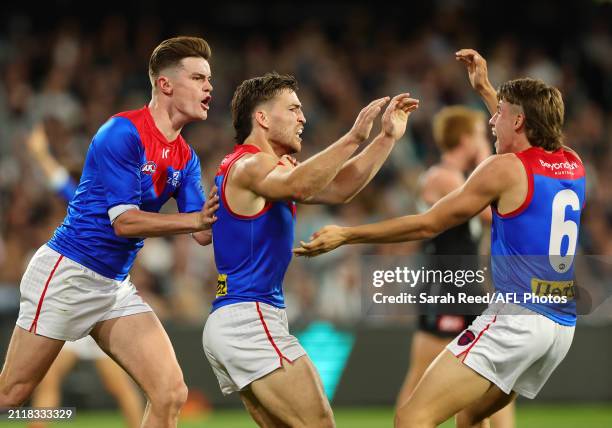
359 171
479 78
265 176
483 187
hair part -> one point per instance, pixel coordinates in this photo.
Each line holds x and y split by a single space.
543 107
252 93
170 52
451 123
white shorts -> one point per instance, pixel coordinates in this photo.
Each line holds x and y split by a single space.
64 300
245 341
513 347
85 349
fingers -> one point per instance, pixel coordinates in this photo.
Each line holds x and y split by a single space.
374 108
213 192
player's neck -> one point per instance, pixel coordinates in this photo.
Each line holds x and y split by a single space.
265 145
168 123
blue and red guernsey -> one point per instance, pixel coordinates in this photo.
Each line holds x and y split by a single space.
129 165
533 247
252 253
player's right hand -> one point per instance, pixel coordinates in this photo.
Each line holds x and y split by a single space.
207 215
363 124
476 67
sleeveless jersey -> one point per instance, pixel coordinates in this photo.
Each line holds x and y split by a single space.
252 253
533 247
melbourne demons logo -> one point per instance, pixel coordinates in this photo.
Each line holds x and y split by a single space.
149 168
466 338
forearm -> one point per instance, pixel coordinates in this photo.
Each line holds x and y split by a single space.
359 171
489 96
136 223
314 174
400 229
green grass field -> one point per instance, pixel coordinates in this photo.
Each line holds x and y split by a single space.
528 416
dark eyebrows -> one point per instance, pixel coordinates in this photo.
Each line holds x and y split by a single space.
199 75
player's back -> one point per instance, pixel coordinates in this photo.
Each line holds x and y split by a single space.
533 247
252 253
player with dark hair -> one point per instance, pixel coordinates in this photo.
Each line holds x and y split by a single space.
246 338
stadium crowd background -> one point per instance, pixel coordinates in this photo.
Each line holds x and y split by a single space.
74 69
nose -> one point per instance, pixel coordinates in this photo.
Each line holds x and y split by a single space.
208 87
302 118
493 119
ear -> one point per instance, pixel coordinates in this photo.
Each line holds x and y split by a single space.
164 85
519 121
261 117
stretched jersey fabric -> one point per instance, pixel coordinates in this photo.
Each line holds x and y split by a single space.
252 253
533 247
129 164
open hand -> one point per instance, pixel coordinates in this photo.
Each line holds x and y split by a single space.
395 117
476 67
326 239
363 124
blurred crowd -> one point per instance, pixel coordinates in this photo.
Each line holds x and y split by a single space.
74 77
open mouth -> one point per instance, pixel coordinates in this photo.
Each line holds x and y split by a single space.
205 103
299 133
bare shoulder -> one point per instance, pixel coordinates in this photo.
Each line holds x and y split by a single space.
505 167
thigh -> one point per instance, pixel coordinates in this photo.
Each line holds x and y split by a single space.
141 346
293 393
28 359
446 387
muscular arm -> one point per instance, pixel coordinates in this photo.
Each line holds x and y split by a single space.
485 185
359 171
262 174
356 173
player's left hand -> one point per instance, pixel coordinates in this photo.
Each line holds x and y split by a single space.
326 239
396 115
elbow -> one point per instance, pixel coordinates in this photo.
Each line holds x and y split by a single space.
120 229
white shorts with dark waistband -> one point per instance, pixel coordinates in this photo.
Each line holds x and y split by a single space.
513 347
64 300
245 341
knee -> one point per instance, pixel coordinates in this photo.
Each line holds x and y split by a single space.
16 394
325 420
170 396
406 418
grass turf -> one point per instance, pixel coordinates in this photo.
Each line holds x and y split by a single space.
528 416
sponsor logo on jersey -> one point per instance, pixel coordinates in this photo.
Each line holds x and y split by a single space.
466 338
542 287
149 168
175 178
221 285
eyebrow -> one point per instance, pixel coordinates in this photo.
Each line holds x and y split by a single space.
196 74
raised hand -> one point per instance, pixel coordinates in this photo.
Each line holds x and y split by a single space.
363 124
396 115
37 141
326 239
207 215
476 67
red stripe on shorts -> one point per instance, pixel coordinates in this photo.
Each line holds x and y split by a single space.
263 322
42 296
467 351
